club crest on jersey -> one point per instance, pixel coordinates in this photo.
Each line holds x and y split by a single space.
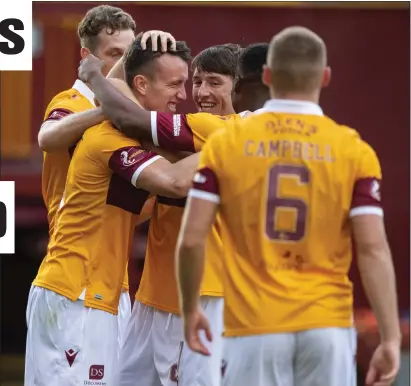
199 178
375 190
129 160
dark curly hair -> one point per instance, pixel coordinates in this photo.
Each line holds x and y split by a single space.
104 17
221 59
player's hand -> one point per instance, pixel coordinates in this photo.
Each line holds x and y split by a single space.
384 364
165 37
89 67
194 323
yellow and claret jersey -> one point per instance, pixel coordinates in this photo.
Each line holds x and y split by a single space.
185 132
287 180
90 246
158 286
55 165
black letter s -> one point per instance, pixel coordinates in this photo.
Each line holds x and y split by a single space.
11 36
3 219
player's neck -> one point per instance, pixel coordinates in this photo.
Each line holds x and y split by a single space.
295 96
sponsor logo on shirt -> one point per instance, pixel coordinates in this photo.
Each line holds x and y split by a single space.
176 124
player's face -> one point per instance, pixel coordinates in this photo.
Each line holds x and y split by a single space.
212 92
167 89
111 48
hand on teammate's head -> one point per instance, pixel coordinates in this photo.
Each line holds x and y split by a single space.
195 322
384 365
165 38
89 66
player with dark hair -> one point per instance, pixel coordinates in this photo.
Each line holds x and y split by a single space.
108 182
292 186
106 31
149 71
214 71
156 307
249 92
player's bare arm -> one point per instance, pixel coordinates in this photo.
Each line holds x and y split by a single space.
133 121
56 135
378 278
168 179
199 217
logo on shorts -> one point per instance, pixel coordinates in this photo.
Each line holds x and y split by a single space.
174 373
96 372
71 356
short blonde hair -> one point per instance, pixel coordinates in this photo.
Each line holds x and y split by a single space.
297 57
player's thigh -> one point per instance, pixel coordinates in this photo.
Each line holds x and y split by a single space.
136 359
326 356
67 343
46 328
124 314
259 360
196 369
167 340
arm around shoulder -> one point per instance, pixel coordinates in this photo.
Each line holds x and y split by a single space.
167 179
63 132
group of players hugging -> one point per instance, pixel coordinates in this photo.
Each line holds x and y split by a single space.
253 202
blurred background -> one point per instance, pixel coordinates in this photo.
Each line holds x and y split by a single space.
369 52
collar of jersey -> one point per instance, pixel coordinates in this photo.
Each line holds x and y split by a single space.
83 89
290 106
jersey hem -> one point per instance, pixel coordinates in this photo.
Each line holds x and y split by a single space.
87 302
102 307
174 310
39 283
294 328
217 294
158 306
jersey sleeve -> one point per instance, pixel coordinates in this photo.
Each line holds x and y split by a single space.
124 156
366 197
60 107
206 181
184 132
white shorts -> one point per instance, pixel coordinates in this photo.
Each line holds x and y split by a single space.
199 370
318 357
154 353
69 344
124 314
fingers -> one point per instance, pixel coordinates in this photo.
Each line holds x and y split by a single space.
165 37
196 345
371 376
207 330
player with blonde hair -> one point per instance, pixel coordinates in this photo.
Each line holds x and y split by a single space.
290 184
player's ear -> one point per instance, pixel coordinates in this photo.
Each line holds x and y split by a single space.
266 77
140 84
84 52
326 77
